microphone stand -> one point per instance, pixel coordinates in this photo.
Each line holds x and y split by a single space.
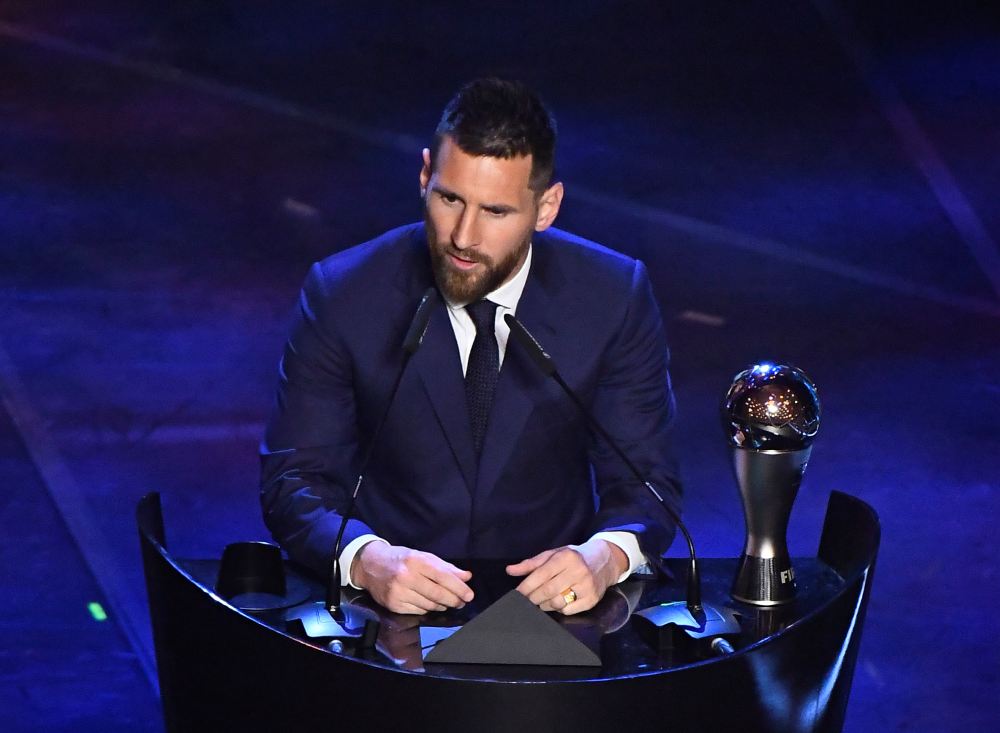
690 617
414 337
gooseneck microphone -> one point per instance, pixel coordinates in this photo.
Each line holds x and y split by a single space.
548 367
411 342
705 625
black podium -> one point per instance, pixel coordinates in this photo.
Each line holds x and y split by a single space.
222 668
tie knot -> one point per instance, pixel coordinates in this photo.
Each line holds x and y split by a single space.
483 313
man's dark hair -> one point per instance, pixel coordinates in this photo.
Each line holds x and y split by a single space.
501 119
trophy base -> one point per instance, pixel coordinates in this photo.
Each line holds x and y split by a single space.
764 581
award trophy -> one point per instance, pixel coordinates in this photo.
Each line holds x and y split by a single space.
771 415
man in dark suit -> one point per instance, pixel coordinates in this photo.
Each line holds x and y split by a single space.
481 455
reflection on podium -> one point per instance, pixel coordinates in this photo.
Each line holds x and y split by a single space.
278 661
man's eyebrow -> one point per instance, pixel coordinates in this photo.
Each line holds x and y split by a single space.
492 208
499 208
441 190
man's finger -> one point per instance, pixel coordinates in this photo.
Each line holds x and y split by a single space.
451 578
414 597
553 566
584 604
565 570
450 584
532 563
463 575
554 588
557 601
537 578
409 609
430 589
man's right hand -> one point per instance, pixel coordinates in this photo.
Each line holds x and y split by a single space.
409 581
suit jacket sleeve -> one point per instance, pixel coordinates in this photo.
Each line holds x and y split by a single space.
309 451
634 401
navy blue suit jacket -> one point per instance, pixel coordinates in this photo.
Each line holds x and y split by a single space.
541 482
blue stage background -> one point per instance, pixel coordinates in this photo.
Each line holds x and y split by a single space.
813 183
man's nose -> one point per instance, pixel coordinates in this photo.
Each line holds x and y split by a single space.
465 233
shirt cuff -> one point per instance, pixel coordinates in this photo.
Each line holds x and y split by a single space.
354 547
629 544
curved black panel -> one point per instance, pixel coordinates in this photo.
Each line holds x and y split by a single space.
222 668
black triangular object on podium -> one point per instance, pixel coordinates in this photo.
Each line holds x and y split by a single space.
513 631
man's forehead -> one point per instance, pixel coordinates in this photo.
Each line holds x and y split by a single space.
451 150
455 167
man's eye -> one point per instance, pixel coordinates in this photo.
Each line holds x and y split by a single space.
449 198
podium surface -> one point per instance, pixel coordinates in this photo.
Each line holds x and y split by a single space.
791 669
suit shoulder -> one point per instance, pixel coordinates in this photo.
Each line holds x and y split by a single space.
377 260
390 248
586 256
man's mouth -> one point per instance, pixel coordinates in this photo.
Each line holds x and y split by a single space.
461 263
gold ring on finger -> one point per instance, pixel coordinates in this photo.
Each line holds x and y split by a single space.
569 595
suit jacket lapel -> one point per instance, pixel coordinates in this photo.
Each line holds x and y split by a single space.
437 361
521 382
441 371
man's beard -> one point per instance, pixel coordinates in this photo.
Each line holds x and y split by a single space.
469 287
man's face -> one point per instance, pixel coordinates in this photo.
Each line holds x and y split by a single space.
480 215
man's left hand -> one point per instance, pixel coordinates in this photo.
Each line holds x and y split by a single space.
588 570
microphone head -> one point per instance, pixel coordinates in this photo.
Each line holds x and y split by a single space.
418 326
771 407
538 355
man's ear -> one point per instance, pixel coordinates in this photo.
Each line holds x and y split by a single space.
548 206
425 172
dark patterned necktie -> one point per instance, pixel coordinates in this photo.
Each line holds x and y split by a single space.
483 369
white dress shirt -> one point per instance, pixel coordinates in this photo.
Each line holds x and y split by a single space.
506 297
